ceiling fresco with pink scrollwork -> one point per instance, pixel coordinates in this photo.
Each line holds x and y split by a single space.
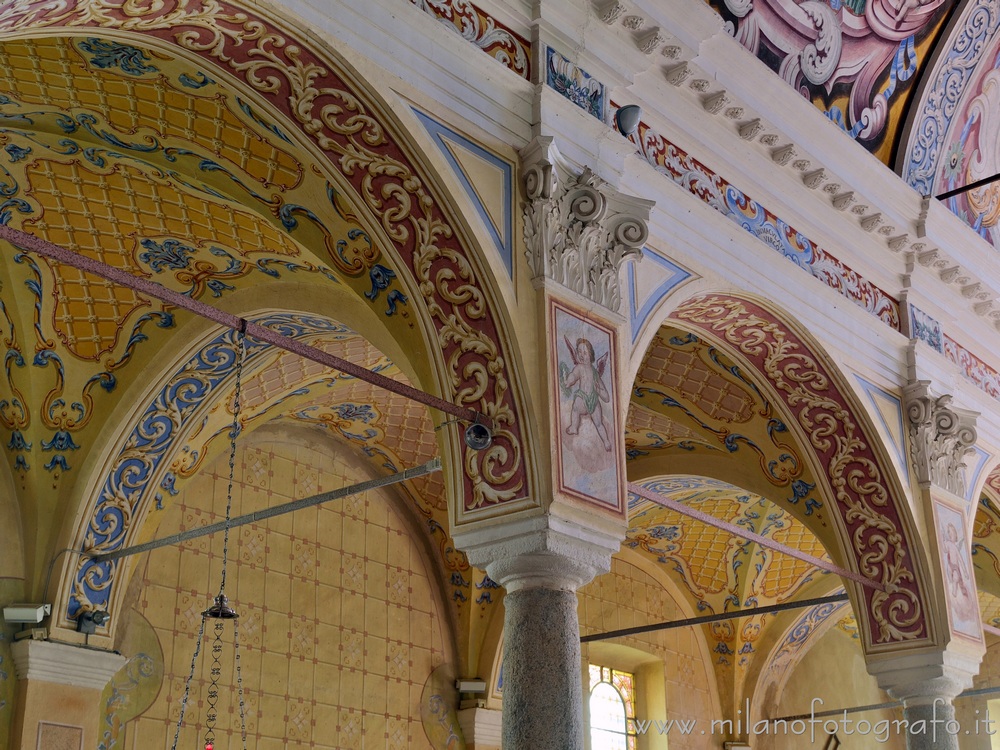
857 60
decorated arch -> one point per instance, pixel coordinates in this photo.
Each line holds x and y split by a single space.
728 380
253 158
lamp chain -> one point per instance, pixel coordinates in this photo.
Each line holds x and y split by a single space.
239 681
221 610
233 432
213 689
187 684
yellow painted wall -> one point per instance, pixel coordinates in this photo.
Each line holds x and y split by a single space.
833 670
627 597
340 630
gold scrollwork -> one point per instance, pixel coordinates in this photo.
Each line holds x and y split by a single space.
362 148
855 479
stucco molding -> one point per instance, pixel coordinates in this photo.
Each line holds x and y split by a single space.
578 229
62 663
941 436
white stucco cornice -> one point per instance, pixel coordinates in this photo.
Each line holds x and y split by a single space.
849 198
50 661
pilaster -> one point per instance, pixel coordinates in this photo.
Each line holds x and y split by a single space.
59 690
578 233
927 681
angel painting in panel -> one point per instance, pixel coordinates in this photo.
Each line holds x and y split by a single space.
584 384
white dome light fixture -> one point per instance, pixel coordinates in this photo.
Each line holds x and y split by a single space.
627 119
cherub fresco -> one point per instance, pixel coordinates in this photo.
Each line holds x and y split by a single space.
584 384
586 432
959 581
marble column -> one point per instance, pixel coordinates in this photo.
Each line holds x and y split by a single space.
541 566
927 684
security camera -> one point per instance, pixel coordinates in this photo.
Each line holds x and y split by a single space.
26 613
88 622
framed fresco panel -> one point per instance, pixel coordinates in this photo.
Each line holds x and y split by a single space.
956 565
588 435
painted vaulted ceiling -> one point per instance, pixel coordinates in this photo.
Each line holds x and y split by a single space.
916 82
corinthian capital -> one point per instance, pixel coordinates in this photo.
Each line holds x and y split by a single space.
578 230
941 436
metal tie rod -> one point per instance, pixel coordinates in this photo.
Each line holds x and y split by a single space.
278 510
713 618
47 249
763 541
971 693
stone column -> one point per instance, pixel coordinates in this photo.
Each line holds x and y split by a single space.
59 690
541 565
927 684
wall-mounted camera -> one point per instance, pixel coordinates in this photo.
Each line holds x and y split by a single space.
26 613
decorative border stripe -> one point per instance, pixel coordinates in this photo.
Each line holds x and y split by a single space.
579 87
637 314
497 40
717 192
897 430
972 367
973 473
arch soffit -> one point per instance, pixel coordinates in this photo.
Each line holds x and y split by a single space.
178 422
316 91
866 493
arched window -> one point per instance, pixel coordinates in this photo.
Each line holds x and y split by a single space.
612 709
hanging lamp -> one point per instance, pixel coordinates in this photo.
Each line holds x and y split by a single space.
220 611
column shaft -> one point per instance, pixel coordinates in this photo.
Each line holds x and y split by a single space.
543 693
931 726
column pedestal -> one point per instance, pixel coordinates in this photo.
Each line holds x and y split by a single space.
481 728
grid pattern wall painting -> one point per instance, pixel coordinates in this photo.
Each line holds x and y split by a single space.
340 631
628 597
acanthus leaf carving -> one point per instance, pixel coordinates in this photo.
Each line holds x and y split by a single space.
941 436
579 230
